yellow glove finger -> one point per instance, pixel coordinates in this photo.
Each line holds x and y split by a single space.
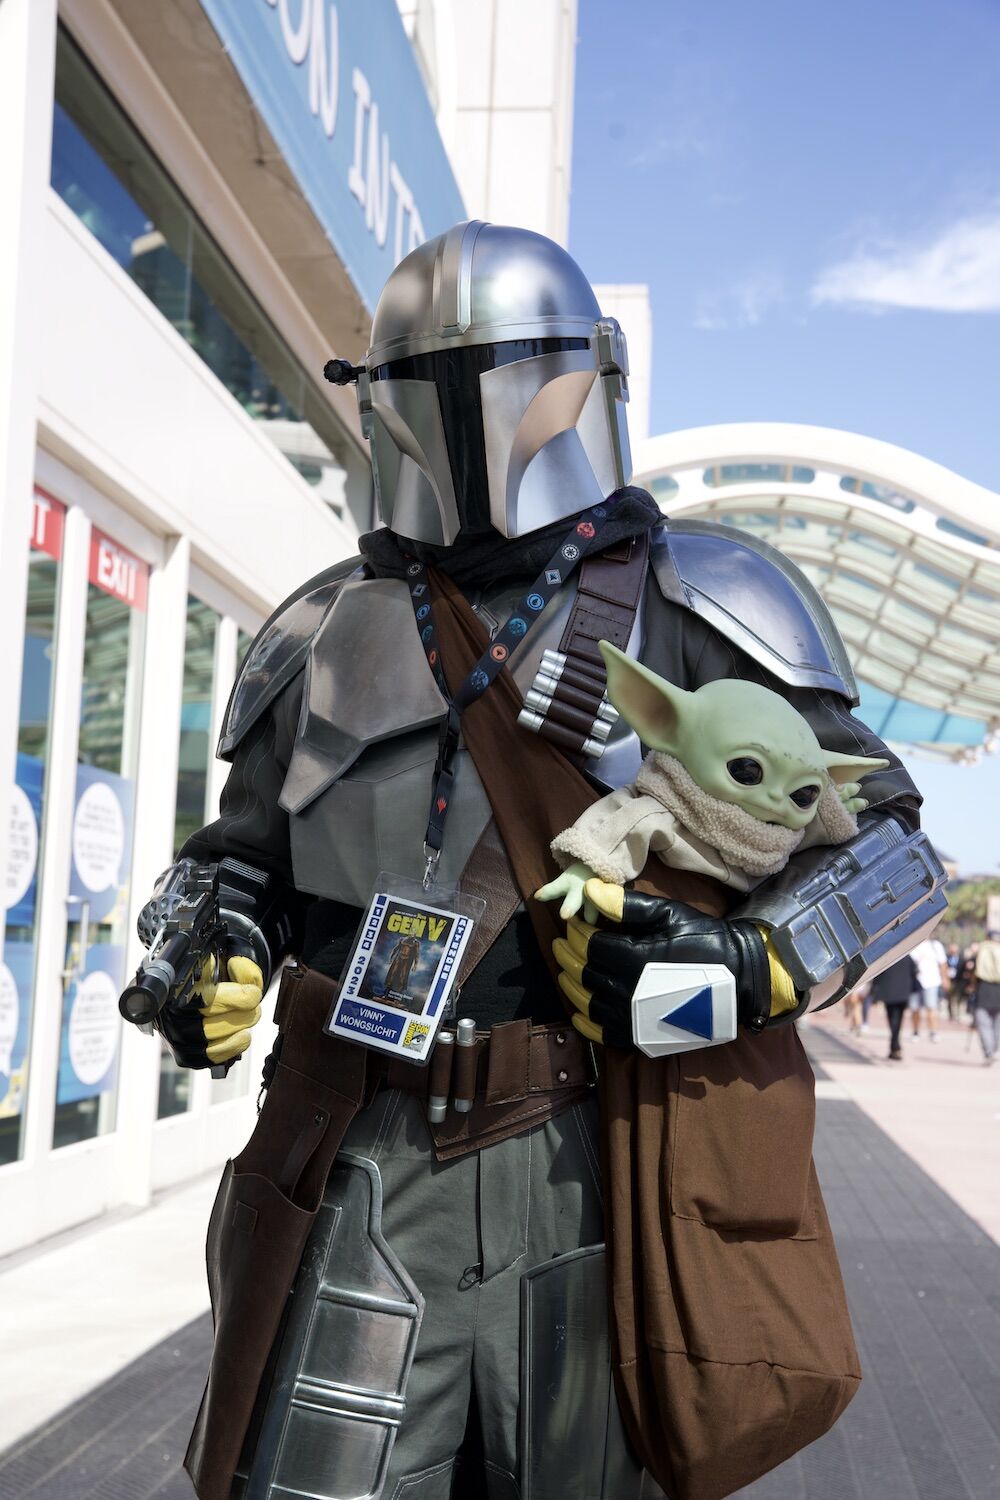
219 1028
568 960
607 897
245 971
222 1051
578 935
575 993
245 994
231 998
589 1029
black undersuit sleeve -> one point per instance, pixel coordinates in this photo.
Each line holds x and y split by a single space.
251 825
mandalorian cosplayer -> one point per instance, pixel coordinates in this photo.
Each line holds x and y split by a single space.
422 1342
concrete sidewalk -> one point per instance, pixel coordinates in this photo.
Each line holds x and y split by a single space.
82 1306
940 1104
907 1159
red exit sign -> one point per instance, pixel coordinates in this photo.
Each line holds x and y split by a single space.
117 572
47 520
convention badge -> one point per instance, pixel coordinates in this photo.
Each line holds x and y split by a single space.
396 985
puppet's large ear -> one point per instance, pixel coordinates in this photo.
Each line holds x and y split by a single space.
653 707
851 767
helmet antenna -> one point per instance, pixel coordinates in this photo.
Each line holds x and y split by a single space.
342 372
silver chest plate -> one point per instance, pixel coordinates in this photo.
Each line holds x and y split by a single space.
359 782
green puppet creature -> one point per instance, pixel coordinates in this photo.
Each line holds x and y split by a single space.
734 783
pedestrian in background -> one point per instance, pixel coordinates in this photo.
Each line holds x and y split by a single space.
854 1005
988 996
953 958
894 987
932 975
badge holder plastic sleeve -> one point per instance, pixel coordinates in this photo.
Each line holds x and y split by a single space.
423 931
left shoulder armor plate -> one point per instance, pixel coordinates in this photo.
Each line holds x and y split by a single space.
279 651
755 597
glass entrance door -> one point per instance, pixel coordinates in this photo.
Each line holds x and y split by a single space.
101 854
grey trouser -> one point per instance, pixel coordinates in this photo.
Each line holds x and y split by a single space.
466 1230
988 1026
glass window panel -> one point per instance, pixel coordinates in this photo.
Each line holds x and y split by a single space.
17 969
900 653
875 707
957 729
190 811
757 473
196 748
103 170
855 540
97 933
663 487
953 529
914 723
880 492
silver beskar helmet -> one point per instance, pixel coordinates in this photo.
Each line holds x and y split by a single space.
493 394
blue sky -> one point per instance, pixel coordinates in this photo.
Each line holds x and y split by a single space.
812 193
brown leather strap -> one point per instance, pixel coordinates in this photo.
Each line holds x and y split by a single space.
607 598
488 874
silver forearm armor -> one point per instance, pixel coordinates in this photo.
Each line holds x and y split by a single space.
841 914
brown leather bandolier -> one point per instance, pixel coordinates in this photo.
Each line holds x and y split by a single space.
569 691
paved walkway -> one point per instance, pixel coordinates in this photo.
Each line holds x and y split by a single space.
922 1273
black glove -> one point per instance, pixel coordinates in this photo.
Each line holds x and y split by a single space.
653 930
213 1028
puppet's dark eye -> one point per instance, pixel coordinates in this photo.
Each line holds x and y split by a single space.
746 770
805 796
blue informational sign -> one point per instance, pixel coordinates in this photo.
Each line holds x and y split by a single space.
100 870
102 842
18 958
88 1048
339 89
22 854
16 973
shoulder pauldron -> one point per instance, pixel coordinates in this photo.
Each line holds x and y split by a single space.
279 651
757 599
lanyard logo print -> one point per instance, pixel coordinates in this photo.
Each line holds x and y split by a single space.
581 540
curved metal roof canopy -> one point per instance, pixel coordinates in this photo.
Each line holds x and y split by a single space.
905 552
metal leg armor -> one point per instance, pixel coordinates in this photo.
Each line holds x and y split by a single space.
338 1392
572 1439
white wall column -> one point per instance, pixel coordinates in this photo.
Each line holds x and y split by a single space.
156 782
27 69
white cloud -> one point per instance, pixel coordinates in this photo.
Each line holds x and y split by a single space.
958 270
742 306
685 140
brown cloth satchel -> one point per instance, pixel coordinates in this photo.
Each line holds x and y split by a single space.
731 1337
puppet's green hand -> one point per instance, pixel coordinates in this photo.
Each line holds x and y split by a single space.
569 886
848 794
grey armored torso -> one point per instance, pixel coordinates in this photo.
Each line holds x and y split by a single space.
333 723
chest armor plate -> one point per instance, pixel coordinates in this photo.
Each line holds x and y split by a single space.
359 782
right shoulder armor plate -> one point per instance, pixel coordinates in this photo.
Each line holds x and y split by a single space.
756 598
279 651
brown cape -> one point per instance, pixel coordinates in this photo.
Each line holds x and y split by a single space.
731 1336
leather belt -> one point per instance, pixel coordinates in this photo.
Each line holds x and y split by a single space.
515 1075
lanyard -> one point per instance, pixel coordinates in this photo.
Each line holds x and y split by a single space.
580 540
